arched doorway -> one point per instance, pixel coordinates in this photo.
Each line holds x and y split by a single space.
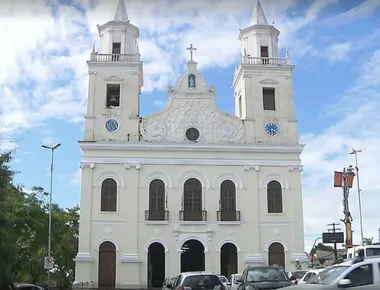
192 256
228 259
156 265
276 255
107 265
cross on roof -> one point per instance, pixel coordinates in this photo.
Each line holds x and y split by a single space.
191 48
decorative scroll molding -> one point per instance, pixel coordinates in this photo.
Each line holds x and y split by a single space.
88 165
131 165
250 167
293 168
214 126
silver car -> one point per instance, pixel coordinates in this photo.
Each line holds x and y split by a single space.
233 283
357 274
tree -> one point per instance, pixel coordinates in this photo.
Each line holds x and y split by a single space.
367 241
8 248
24 234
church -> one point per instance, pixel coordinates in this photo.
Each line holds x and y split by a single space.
189 187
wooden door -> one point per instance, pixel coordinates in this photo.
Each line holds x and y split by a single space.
107 265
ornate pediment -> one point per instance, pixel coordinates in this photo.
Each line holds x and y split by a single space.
192 115
184 115
269 81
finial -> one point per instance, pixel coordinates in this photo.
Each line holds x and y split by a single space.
93 49
258 15
121 12
191 48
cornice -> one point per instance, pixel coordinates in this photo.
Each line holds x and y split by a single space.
247 164
140 146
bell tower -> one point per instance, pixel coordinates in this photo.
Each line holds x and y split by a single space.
115 81
263 84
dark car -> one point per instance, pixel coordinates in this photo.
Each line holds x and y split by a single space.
264 278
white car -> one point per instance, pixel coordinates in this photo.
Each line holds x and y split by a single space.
232 283
309 274
223 279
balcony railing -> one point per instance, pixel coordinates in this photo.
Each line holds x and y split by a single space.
200 215
228 216
156 215
96 57
276 61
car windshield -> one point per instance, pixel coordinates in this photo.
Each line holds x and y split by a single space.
328 275
372 252
266 274
223 279
202 282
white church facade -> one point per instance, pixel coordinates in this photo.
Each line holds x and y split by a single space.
189 187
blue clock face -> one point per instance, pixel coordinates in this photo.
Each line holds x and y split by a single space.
271 129
112 125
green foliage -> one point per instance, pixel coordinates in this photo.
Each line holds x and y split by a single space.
368 241
24 234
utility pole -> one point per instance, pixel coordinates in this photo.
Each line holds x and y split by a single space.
344 180
334 230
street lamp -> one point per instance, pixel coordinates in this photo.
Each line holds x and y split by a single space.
50 200
355 152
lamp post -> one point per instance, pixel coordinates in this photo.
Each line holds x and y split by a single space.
50 200
355 152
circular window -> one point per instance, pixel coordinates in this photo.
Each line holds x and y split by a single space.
112 125
192 134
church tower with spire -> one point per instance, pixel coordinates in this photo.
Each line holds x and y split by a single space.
115 81
263 84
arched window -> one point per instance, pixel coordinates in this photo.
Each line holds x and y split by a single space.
157 200
192 200
108 195
274 197
227 201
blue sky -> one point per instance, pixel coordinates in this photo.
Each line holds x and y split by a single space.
334 44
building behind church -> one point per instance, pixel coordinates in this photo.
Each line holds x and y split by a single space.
189 187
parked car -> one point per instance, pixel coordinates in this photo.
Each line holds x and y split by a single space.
197 281
223 279
233 283
298 274
357 274
168 281
264 277
309 275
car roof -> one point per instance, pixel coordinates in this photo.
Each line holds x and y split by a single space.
197 273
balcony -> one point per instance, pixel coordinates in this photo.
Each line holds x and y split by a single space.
156 215
194 216
228 216
274 61
96 57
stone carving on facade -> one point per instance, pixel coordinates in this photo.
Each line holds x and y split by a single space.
213 126
192 105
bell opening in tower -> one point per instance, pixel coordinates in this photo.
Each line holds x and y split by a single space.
113 95
116 50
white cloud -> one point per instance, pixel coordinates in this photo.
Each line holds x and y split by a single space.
358 126
43 76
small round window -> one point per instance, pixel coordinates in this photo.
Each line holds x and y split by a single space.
192 134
